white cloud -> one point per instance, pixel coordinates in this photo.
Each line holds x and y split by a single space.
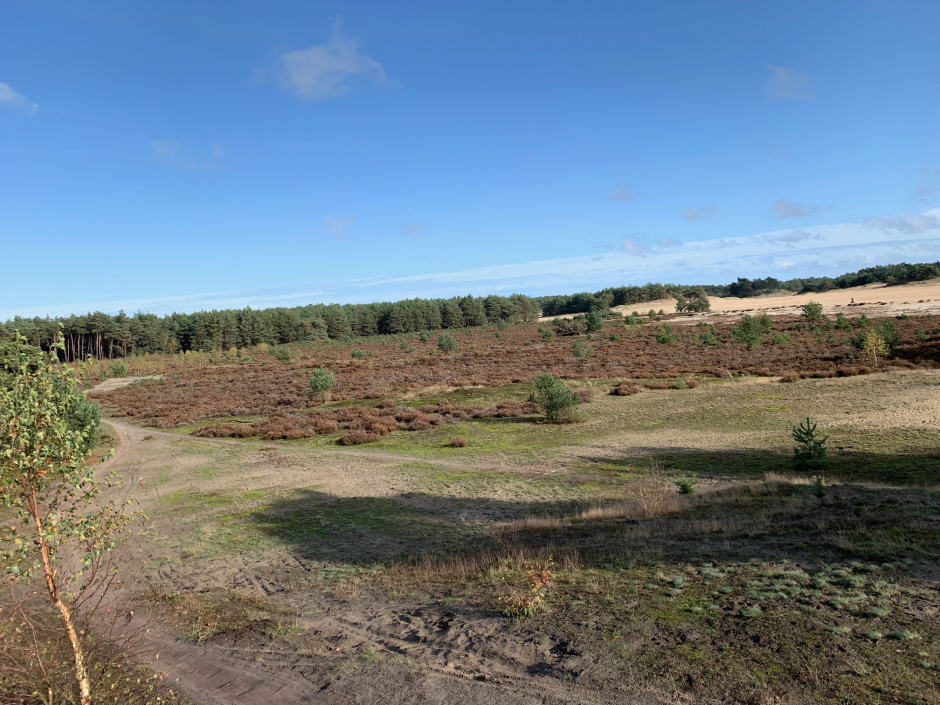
171 154
785 208
323 70
621 192
414 228
17 102
338 227
785 83
699 212
633 245
814 251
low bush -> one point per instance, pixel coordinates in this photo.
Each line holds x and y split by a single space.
457 442
446 343
118 368
627 389
358 437
282 354
556 400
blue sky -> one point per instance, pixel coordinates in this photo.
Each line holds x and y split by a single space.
184 155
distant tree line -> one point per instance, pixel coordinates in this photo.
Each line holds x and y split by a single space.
902 273
105 336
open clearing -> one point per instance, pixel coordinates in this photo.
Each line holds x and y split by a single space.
299 571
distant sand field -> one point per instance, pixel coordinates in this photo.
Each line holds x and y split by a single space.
879 299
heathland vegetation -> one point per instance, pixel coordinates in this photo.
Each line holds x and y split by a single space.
708 508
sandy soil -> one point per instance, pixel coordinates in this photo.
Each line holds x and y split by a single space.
877 299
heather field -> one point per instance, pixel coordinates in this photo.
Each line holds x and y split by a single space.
424 534
255 383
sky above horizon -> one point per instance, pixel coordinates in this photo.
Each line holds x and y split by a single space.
188 155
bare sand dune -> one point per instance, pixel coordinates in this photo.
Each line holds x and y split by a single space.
879 299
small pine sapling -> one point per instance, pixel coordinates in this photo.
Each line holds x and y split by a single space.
810 452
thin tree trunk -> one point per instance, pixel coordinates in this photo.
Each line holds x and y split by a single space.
81 673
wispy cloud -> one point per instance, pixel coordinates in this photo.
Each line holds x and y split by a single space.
414 228
668 242
172 154
621 192
785 208
338 227
325 70
17 102
699 212
786 84
812 251
791 238
907 223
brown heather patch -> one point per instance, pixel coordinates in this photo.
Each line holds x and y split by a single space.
263 386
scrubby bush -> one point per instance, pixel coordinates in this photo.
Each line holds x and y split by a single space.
321 382
423 336
358 437
812 311
594 321
556 400
665 334
282 354
118 368
751 330
686 485
582 348
357 353
446 343
457 442
842 323
780 339
627 389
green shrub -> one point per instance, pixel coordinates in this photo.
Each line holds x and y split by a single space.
118 368
357 353
594 321
812 311
582 348
709 337
751 330
321 382
686 485
842 323
665 334
556 400
614 338
548 334
810 452
446 343
780 339
282 354
423 336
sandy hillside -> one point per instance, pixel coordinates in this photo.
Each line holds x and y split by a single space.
921 297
